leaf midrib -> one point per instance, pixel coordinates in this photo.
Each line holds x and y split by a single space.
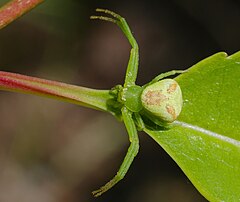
208 132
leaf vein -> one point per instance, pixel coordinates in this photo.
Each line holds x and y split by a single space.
207 132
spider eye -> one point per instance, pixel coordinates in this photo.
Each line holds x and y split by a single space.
163 99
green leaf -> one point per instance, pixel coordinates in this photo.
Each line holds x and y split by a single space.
205 140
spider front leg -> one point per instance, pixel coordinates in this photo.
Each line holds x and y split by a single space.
166 74
131 153
130 79
132 68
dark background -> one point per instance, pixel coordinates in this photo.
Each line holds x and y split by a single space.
54 151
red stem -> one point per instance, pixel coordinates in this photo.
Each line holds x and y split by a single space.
14 9
97 99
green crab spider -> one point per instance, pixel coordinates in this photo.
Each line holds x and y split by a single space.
159 100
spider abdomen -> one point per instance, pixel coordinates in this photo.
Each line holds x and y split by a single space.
163 99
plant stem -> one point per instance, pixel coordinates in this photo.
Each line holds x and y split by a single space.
97 99
14 9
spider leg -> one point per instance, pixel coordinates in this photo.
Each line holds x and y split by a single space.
132 67
139 122
131 153
166 74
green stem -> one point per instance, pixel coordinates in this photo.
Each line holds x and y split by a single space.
14 9
87 97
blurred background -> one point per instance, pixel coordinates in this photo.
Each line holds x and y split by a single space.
55 152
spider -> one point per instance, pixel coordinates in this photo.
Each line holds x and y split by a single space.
158 102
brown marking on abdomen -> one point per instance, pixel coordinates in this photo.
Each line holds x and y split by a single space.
172 88
170 109
154 98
